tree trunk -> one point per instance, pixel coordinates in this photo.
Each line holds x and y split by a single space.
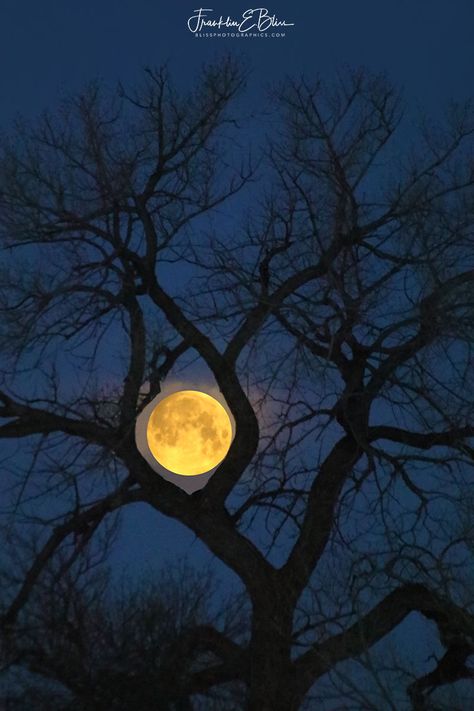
272 690
272 682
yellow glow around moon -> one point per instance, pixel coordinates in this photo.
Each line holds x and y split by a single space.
189 432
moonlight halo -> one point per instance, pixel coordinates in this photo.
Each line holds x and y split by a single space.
189 432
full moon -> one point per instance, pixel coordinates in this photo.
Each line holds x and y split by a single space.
189 432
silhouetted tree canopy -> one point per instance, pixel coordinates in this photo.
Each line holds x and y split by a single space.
323 277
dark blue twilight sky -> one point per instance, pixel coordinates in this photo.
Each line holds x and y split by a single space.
53 46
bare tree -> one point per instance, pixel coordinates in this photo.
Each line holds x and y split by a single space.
336 317
86 642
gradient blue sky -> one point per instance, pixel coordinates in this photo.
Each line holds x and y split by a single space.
50 47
